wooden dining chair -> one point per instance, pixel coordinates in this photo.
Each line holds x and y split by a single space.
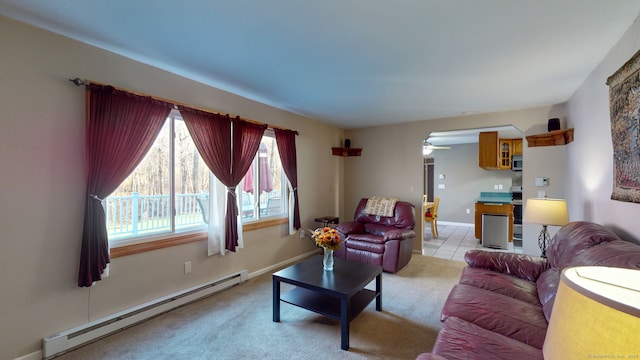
431 216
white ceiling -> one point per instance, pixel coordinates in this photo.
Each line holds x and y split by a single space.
357 63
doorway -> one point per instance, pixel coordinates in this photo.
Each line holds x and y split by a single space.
429 179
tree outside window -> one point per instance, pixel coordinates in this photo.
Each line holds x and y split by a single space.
169 190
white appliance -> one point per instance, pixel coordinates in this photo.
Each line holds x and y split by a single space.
495 231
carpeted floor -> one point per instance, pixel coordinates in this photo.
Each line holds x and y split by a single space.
237 324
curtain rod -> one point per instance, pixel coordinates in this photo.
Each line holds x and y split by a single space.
85 82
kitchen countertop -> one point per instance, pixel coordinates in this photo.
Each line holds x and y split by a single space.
495 198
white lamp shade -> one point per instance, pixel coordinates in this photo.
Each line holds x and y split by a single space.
596 315
546 211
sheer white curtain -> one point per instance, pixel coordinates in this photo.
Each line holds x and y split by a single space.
217 207
292 203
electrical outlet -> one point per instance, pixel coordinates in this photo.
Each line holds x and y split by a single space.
301 234
468 211
187 267
441 186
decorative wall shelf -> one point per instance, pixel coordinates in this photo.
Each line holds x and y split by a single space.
553 138
340 151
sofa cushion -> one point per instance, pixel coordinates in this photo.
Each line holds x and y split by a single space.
523 266
399 234
404 215
574 238
621 253
376 247
501 283
365 237
460 339
547 286
377 229
350 227
510 317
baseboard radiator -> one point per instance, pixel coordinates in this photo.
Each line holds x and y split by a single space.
67 340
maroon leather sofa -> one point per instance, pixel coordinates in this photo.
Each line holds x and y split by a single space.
501 307
379 240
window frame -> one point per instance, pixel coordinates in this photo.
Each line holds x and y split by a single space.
139 244
284 191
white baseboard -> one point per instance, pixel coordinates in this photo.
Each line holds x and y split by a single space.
451 223
282 264
70 339
36 355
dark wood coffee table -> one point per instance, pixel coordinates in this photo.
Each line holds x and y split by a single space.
339 294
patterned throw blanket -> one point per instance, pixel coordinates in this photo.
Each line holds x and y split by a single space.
380 205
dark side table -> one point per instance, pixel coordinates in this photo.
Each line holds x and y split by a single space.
327 220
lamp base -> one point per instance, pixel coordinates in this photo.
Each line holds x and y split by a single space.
543 240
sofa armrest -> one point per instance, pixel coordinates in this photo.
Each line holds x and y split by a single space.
350 227
399 234
523 266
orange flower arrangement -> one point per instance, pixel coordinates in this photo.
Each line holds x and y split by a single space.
327 237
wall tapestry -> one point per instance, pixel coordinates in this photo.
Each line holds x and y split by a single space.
624 106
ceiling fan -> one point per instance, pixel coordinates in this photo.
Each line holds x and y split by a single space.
427 147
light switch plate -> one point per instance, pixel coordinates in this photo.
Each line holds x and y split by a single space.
440 186
541 181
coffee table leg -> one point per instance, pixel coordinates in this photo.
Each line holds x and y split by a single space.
276 300
344 323
379 292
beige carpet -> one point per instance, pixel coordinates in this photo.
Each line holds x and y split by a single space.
237 324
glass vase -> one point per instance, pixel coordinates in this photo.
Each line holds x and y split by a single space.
327 260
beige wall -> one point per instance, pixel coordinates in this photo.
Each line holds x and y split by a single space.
42 185
391 162
463 181
41 178
590 157
581 171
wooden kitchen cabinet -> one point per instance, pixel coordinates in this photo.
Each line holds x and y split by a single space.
517 146
492 208
505 151
488 150
495 153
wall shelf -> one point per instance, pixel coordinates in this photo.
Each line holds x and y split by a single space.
553 138
340 151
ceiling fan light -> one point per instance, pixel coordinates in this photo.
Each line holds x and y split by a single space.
427 149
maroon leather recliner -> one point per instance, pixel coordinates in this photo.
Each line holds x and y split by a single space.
379 240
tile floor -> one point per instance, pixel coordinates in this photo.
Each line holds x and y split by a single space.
453 241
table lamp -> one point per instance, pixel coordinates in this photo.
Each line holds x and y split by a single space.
596 315
546 212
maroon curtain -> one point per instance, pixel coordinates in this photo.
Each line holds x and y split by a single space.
227 147
120 129
286 140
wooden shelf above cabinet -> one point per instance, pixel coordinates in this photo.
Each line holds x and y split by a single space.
339 151
553 138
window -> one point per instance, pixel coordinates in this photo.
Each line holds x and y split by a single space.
264 187
165 193
169 190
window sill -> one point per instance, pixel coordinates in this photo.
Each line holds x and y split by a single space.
181 239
